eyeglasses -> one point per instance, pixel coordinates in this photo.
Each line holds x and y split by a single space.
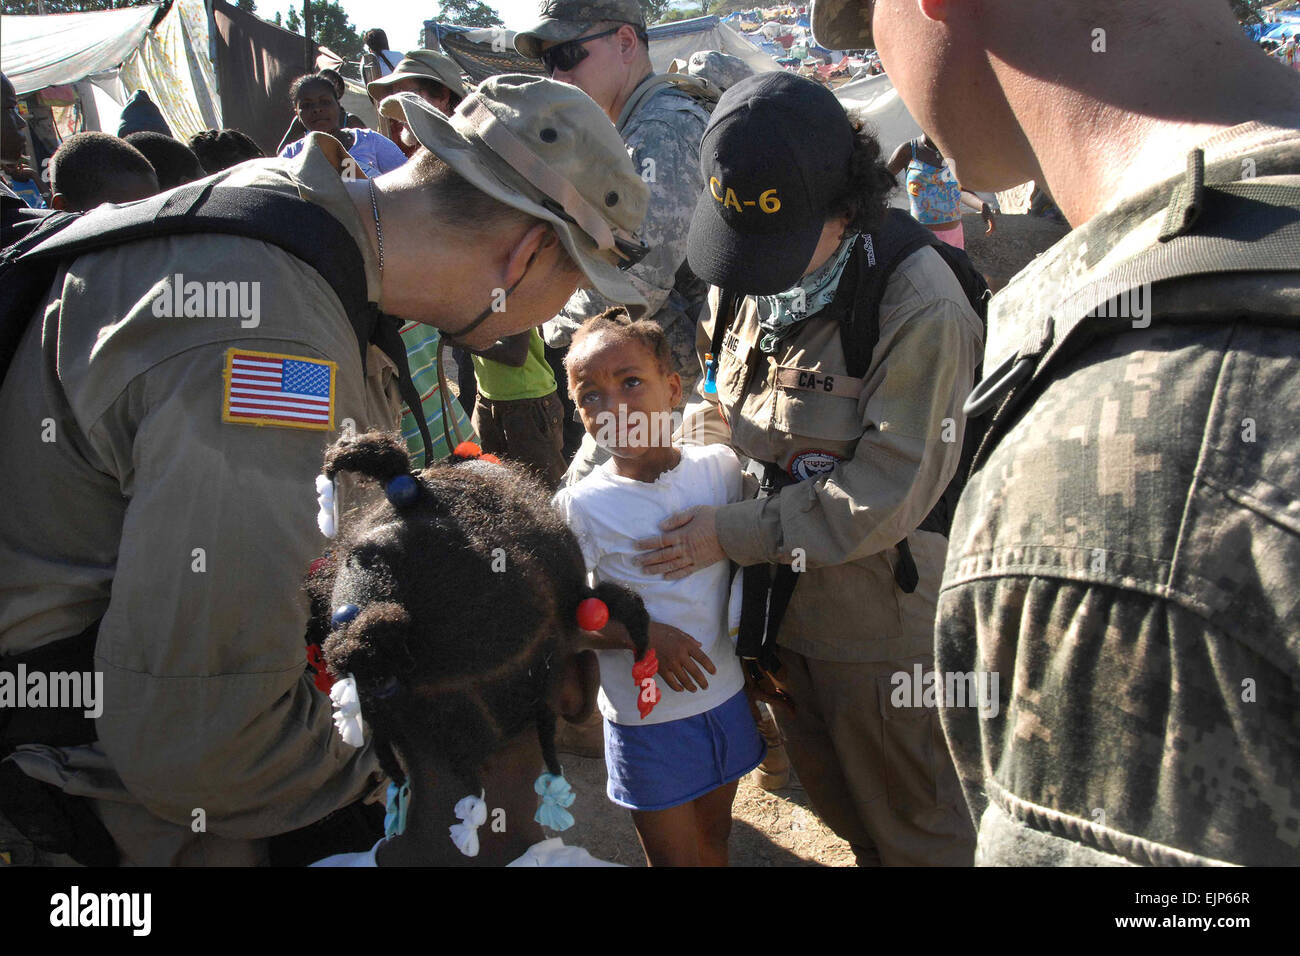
565 56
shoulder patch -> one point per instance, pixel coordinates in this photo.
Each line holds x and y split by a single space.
266 388
810 464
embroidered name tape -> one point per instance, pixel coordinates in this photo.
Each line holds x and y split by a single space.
807 380
265 388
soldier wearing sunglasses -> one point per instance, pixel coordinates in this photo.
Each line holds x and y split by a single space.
600 46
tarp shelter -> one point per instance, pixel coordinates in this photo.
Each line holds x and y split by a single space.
670 41
479 52
488 52
256 62
876 101
105 56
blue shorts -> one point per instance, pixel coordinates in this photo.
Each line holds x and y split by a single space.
664 765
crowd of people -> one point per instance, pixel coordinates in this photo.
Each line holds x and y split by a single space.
807 501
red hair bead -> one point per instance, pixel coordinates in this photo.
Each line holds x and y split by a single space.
592 614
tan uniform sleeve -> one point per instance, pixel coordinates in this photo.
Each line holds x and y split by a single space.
206 700
924 367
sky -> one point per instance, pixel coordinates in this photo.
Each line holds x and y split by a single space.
403 20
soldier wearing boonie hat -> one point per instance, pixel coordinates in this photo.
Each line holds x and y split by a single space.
216 425
421 71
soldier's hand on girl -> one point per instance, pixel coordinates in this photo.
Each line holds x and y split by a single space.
689 543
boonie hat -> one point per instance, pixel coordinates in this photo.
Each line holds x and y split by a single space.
563 20
422 64
721 69
547 149
775 156
843 24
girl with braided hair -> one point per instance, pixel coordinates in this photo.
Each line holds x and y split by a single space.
460 697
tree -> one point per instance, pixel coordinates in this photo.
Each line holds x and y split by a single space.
248 6
332 29
654 10
277 19
469 13
293 21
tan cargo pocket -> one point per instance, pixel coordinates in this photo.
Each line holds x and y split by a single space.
807 414
909 735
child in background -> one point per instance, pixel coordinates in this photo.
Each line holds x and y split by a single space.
675 763
455 644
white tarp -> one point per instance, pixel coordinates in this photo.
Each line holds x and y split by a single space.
670 41
37 52
876 101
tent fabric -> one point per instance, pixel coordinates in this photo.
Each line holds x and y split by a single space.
172 65
63 48
670 41
482 52
256 63
874 100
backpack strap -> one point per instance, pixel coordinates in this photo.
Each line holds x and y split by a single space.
697 88
1208 229
301 228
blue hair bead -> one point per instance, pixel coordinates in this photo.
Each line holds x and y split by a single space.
402 491
342 614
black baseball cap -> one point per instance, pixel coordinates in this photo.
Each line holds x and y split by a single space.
775 156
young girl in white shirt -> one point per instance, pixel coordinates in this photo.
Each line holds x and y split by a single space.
676 744
451 611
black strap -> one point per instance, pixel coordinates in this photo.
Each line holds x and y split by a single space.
301 228
1208 229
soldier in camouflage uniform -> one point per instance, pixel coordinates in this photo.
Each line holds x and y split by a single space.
662 126
1125 554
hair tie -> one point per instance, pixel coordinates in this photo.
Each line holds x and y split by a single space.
593 614
643 672
347 711
342 615
557 796
467 449
472 812
399 801
402 491
327 516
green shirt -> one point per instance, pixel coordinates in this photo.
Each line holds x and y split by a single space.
505 383
422 355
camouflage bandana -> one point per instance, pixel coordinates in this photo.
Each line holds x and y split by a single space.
779 314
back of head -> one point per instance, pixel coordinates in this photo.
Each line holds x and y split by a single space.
375 40
92 168
451 599
219 149
173 161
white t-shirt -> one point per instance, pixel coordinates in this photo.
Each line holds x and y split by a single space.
609 513
550 852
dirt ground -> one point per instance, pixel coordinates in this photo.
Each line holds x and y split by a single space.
770 829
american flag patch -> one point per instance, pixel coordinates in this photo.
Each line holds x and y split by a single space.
263 388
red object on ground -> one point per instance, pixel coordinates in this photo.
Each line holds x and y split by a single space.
643 672
592 614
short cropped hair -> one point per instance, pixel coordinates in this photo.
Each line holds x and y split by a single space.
219 149
86 164
173 161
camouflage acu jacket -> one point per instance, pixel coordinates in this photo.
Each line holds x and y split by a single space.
1125 561
663 137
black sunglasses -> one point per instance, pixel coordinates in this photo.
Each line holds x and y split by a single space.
565 56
